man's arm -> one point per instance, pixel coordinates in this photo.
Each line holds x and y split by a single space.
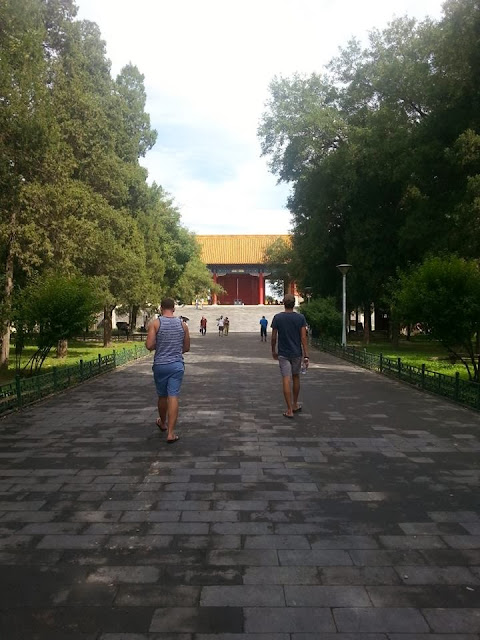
186 338
274 344
303 338
151 341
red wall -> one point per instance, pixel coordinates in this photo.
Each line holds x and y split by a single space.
247 288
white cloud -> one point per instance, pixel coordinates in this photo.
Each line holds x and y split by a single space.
207 67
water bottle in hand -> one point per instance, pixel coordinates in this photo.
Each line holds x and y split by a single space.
303 367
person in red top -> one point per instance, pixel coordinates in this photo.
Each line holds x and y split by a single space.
203 325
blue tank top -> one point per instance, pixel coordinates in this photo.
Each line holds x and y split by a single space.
169 341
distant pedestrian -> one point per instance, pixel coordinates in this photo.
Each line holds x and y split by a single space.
168 336
226 326
290 328
220 325
263 329
203 325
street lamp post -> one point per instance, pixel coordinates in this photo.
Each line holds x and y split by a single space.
344 268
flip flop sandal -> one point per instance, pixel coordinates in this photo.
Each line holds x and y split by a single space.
173 440
298 409
159 425
285 415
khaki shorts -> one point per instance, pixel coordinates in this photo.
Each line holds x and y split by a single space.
290 366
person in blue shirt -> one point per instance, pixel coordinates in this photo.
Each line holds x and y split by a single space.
263 329
290 329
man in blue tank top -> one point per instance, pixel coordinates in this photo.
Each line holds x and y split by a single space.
168 336
290 328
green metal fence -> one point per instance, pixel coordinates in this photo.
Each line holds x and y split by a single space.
24 391
452 387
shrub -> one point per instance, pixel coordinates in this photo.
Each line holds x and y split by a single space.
323 317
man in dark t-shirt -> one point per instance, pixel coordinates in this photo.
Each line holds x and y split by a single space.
290 328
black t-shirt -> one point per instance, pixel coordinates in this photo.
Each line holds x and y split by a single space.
288 325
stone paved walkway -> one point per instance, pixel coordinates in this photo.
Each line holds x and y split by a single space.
359 519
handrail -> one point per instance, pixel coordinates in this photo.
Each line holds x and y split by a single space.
464 392
22 392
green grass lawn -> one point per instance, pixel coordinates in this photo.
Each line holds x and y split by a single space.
77 350
415 352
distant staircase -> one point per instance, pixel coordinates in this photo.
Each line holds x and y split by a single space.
243 319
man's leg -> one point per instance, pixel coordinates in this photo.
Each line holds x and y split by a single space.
172 402
296 389
287 394
162 410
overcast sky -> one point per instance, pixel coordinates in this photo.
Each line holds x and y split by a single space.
207 67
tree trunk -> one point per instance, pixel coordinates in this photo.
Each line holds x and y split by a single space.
7 293
366 323
62 348
395 333
409 332
107 325
356 320
133 317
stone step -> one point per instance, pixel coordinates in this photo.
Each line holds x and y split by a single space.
243 319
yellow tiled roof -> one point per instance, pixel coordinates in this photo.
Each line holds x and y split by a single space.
244 249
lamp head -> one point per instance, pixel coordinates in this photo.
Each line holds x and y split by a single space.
343 268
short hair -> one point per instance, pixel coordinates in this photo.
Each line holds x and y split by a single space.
289 301
168 303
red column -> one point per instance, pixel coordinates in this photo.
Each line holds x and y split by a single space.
214 298
261 288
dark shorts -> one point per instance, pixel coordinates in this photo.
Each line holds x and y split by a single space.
168 378
290 366
263 331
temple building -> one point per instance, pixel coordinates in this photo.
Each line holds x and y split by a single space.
237 263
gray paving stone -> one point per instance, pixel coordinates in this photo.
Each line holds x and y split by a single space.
153 595
339 636
463 542
454 516
150 516
94 516
276 542
248 557
290 620
359 576
280 575
412 542
129 574
242 596
320 558
453 620
32 505
362 557
139 542
343 542
178 528
241 505
431 636
27 516
197 620
326 596
71 542
210 516
386 620
437 575
146 636
44 528
243 636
